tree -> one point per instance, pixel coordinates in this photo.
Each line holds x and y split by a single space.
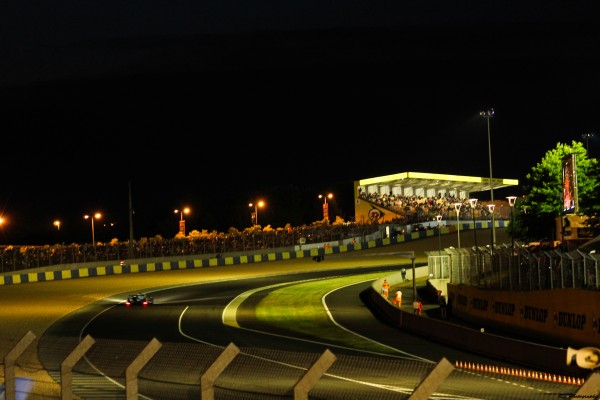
544 199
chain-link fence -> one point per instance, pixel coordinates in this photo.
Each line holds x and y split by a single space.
522 269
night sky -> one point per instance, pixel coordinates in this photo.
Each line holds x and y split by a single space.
213 105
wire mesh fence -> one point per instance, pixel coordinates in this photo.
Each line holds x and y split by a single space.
522 269
262 373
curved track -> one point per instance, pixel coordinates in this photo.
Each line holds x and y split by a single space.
196 322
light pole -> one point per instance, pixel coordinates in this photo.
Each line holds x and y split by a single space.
473 203
261 204
457 207
185 210
57 225
491 208
586 137
325 205
488 115
93 217
511 203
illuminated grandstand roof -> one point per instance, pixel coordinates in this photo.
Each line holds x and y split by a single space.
468 184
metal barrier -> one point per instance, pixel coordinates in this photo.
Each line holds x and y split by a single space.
504 269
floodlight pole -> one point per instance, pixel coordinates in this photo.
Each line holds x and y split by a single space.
491 207
473 203
488 115
586 137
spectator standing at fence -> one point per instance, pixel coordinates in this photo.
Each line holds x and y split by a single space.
403 272
419 307
385 288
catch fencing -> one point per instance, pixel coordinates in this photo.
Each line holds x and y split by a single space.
119 369
521 269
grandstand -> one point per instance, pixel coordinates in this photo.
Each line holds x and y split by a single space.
412 197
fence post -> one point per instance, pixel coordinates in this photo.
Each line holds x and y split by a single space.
9 365
313 375
132 371
436 377
207 380
66 368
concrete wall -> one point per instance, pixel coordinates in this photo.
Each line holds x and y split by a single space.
566 315
532 355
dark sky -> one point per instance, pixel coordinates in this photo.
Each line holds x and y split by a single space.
216 104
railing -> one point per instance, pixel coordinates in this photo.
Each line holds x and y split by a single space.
523 269
18 258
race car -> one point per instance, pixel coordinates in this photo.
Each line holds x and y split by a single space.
139 299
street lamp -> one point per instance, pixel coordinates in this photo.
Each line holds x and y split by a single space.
491 208
488 115
57 225
586 137
439 219
185 210
325 205
93 217
511 203
457 207
261 204
473 203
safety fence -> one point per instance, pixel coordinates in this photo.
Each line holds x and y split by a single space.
150 369
129 369
17 258
504 269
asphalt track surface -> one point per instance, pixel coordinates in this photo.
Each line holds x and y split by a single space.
71 303
194 313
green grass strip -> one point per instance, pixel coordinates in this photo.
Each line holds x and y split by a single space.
299 308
